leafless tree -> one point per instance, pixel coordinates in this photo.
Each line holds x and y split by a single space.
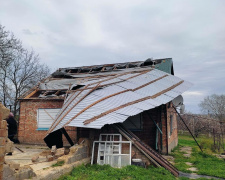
214 105
20 69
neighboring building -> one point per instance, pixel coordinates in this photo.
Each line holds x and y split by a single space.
92 100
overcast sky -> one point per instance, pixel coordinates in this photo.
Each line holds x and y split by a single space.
75 33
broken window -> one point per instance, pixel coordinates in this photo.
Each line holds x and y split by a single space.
45 118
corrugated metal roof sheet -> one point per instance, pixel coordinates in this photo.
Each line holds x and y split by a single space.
117 98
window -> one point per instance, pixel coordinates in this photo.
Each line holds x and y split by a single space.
134 123
171 124
45 118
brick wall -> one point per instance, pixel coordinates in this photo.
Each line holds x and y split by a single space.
172 137
27 132
3 136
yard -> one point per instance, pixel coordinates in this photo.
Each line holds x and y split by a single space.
188 158
205 163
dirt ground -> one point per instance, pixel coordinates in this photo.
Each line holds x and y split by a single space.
24 158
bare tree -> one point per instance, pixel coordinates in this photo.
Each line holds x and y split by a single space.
9 46
214 105
19 69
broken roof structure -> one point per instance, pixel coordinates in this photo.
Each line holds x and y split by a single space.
109 94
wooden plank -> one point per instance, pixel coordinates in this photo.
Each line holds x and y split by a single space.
31 94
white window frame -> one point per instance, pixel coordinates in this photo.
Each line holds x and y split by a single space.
45 117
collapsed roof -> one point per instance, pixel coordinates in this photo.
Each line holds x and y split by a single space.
56 86
111 97
110 93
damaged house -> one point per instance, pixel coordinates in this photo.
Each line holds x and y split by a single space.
124 109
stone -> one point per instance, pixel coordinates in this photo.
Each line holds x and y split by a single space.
189 164
193 169
59 152
50 158
73 149
7 171
35 159
53 150
25 172
45 153
67 151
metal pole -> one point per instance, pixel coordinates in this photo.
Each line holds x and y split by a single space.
93 150
187 128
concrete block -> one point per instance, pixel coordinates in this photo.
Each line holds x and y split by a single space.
26 172
7 171
78 157
14 166
80 150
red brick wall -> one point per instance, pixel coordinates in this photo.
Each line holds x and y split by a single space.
27 132
3 137
172 138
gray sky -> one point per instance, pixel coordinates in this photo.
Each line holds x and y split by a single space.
75 33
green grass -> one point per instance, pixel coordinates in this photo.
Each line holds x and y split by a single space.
97 172
60 163
205 162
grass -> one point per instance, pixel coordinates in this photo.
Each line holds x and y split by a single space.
205 162
96 172
60 163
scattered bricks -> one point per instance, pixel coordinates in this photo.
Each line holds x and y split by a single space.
2 141
3 124
45 153
73 149
59 152
35 159
2 150
3 133
49 158
53 150
14 166
67 151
